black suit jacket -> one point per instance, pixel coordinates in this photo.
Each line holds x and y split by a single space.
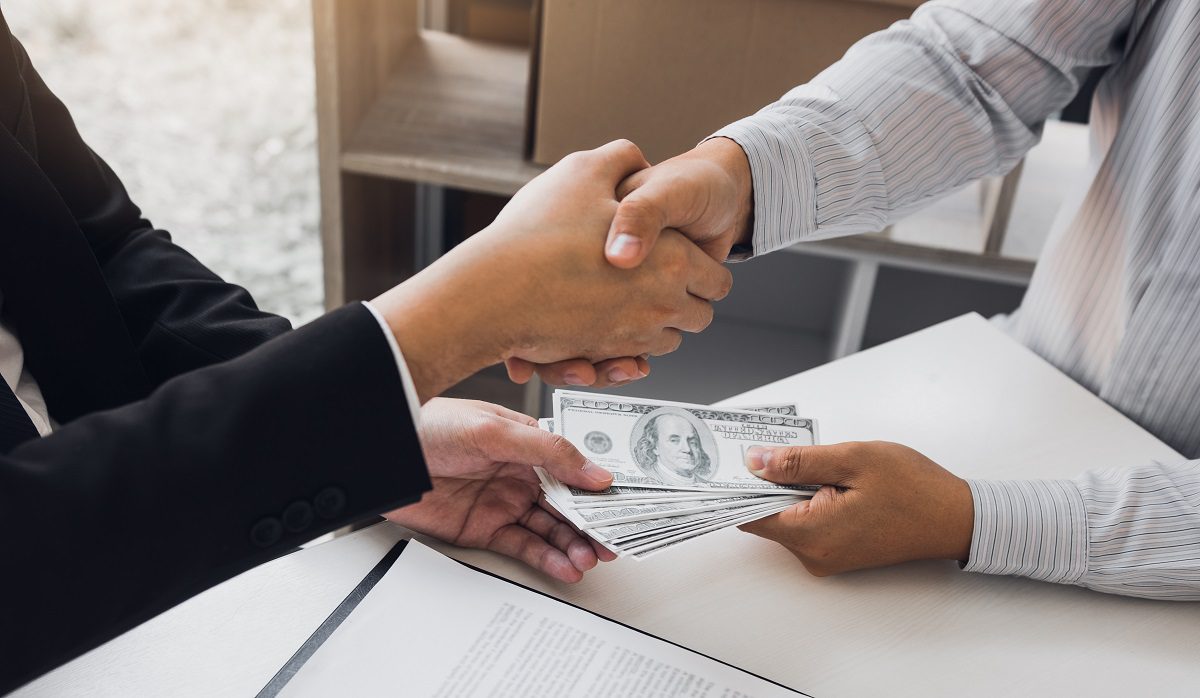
200 436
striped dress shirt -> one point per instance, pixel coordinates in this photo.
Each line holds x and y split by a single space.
961 91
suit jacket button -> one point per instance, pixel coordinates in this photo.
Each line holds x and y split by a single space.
298 516
330 502
266 532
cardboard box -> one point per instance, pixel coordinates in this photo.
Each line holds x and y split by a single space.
504 21
667 73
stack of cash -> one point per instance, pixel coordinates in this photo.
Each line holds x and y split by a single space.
679 470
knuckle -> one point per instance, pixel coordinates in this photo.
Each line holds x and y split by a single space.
858 450
668 343
726 284
561 449
626 148
673 268
661 315
638 209
577 159
488 431
792 462
708 314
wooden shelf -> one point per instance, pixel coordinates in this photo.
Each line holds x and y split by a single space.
452 114
399 107
880 248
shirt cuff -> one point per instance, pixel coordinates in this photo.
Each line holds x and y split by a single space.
1029 528
783 179
410 389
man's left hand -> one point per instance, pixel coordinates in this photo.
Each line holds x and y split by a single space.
879 504
486 495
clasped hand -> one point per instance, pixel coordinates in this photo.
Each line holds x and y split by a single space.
535 286
704 195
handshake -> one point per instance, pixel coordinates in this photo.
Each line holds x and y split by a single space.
597 264
594 266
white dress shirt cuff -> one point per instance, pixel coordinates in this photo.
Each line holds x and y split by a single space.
783 179
410 389
1029 528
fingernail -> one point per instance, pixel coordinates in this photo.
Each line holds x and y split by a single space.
757 459
581 555
573 378
624 245
618 375
596 474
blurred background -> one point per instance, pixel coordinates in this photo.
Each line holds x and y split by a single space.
205 110
319 151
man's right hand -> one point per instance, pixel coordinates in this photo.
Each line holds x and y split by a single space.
535 285
705 193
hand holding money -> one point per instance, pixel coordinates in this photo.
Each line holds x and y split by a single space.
485 494
887 504
679 470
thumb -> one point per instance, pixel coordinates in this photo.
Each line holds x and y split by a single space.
799 465
566 463
520 443
640 217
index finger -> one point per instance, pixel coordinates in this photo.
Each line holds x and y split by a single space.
618 160
786 525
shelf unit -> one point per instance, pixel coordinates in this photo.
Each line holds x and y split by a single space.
400 108
452 114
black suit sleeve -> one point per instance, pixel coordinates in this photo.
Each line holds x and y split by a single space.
124 513
179 314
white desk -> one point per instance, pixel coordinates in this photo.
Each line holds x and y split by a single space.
962 392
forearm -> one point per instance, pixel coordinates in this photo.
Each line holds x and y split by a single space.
915 111
179 314
1132 532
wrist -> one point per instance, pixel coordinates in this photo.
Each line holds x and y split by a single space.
960 524
730 157
444 320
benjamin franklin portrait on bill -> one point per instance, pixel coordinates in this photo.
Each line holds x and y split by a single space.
673 446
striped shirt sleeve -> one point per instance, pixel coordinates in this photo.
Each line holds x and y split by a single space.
911 113
1134 532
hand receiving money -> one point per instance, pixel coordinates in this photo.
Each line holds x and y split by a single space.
678 470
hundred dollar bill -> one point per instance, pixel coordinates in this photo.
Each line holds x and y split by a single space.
664 497
640 493
643 549
667 445
619 534
789 409
634 543
547 423
591 518
689 528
